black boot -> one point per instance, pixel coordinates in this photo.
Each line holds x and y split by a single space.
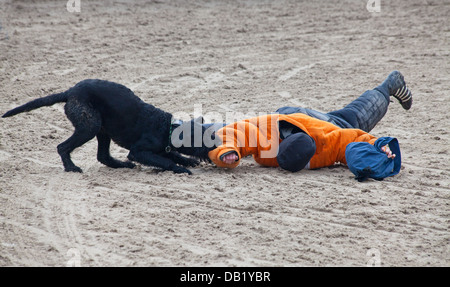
398 89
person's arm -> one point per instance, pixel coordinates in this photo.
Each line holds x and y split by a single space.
371 139
376 161
238 140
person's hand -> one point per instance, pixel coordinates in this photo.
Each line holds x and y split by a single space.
230 158
388 151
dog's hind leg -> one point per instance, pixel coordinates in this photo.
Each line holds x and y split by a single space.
87 122
105 157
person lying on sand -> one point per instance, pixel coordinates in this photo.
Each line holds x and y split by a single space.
296 138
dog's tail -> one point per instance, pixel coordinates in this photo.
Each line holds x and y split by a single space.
41 102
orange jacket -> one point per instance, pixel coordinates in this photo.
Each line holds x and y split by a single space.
259 136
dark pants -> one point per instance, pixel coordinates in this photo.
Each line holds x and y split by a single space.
363 113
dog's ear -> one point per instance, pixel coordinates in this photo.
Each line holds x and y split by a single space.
200 120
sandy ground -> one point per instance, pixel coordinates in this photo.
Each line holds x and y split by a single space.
246 57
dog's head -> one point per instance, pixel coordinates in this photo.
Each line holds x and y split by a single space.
193 138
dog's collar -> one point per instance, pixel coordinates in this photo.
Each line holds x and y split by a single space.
173 125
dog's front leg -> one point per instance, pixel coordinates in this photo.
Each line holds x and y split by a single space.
182 160
151 159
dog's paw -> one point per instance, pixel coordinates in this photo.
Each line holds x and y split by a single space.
191 162
114 163
73 169
128 164
180 169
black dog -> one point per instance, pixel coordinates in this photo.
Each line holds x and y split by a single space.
110 111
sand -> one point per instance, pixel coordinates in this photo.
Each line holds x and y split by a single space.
223 56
